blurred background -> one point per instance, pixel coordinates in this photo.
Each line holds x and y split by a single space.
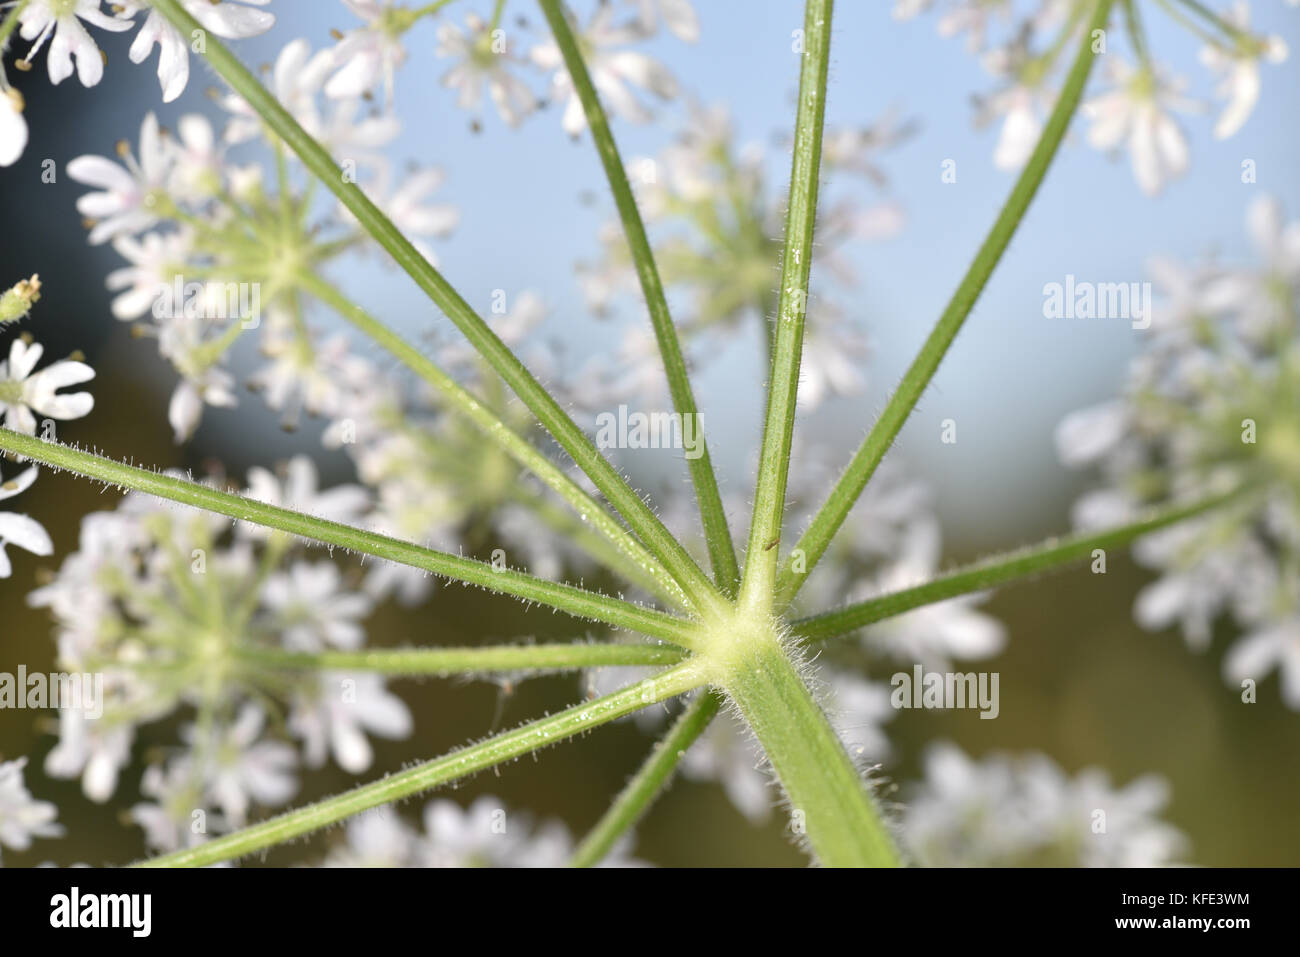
1080 681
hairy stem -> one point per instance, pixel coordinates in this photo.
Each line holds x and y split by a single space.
829 802
814 542
549 413
648 782
567 598
998 570
722 553
451 767
490 424
446 662
774 460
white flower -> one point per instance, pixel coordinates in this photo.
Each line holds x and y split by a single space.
13 128
678 16
300 491
242 769
408 206
481 63
155 259
181 340
1089 434
42 19
196 175
611 71
185 408
1238 69
227 19
376 838
834 352
296 79
933 634
92 748
128 195
1023 811
24 395
21 816
1136 111
972 18
1021 125
168 820
367 54
335 718
312 607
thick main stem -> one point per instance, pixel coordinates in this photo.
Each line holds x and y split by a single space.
828 800
814 542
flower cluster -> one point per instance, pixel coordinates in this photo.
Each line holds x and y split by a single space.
481 835
21 816
484 55
1137 110
1211 406
717 231
182 614
1026 812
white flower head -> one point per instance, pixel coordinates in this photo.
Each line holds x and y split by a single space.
1237 67
59 21
129 195
335 719
1136 112
227 19
612 69
371 53
678 16
483 60
21 529
13 125
26 394
22 817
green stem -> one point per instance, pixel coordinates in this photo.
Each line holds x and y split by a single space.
648 782
497 431
1136 33
829 802
998 570
722 552
814 542
1230 29
549 413
774 460
11 21
451 767
566 598
445 662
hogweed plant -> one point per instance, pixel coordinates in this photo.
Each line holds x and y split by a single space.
257 638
